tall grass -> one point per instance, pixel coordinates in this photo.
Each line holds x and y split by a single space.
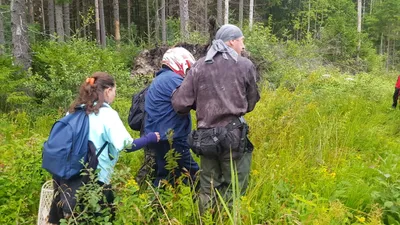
321 146
326 149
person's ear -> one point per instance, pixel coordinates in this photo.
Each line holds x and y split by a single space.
107 91
229 43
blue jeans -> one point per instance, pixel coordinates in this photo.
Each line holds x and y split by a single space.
186 164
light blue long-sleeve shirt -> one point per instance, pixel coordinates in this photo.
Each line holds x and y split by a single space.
107 126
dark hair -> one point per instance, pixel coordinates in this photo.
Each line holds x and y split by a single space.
91 91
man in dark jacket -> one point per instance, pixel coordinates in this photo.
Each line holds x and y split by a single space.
222 87
162 117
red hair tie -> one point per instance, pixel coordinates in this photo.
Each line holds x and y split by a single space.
90 80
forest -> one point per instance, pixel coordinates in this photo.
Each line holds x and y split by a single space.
326 138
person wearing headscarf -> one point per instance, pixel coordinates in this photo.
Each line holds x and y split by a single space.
222 88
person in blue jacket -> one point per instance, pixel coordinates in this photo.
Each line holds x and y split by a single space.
105 128
162 117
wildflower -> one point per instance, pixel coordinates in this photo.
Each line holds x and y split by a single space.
333 174
255 172
361 219
143 196
132 183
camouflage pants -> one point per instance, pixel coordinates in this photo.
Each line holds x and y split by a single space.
216 175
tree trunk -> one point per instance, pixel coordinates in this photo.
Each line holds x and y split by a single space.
50 13
226 17
241 14
102 25
309 16
251 14
219 12
84 10
363 8
109 12
359 15
117 33
163 23
394 52
2 39
128 10
148 21
205 17
59 22
42 15
388 55
381 45
170 7
184 14
98 38
31 18
157 22
67 25
370 6
78 19
19 31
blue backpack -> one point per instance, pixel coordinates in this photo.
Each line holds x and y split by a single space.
68 148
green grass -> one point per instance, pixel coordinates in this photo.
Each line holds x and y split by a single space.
326 152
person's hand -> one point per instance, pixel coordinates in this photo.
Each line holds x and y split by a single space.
158 136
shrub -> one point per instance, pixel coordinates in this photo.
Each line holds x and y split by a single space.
60 68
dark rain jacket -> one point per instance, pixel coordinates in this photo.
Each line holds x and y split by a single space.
161 117
219 91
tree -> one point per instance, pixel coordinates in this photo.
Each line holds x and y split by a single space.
226 15
78 28
148 21
42 15
205 16
241 13
251 14
219 12
31 13
2 39
67 26
383 27
163 23
116 21
359 14
84 10
59 21
184 14
128 10
102 25
170 7
19 31
97 15
50 13
157 22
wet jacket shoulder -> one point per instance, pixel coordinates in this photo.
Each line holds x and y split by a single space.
221 90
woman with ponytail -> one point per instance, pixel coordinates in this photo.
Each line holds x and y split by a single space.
96 95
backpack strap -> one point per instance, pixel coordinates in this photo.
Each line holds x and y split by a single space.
101 149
